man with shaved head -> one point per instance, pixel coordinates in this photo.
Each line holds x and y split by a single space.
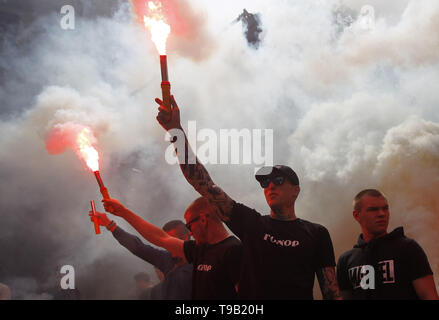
383 265
215 254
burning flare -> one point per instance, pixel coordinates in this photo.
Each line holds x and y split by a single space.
86 150
77 137
157 26
81 140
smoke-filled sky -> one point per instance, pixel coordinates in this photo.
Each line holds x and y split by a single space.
352 106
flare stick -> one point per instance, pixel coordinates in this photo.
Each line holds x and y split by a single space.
103 189
94 218
166 85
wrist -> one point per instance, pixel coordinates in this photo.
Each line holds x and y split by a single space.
176 134
111 226
177 127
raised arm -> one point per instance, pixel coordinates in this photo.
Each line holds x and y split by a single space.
328 283
159 258
194 172
148 231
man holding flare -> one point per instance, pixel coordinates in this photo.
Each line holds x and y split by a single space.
215 255
177 281
281 253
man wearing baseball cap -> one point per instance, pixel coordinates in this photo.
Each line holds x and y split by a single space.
281 253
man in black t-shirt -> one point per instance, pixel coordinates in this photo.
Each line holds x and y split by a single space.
176 283
281 257
383 265
215 255
281 253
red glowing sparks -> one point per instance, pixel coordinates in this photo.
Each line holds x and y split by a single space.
156 23
86 151
77 137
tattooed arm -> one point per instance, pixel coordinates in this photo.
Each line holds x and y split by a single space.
328 283
194 172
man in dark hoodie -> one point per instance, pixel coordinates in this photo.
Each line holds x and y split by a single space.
383 265
177 282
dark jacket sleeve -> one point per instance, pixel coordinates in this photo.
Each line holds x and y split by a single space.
159 258
342 274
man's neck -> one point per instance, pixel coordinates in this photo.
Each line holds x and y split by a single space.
371 236
283 214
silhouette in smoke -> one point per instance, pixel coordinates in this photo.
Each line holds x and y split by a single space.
251 24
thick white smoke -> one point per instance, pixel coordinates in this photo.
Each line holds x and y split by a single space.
351 108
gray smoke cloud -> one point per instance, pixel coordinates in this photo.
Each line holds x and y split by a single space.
352 106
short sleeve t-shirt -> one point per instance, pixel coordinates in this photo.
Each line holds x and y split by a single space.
215 268
383 268
280 258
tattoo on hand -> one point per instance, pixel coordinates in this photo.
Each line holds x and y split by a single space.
328 283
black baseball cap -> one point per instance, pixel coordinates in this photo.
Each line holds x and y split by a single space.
278 170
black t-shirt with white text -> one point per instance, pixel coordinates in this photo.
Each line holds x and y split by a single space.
383 268
216 268
280 258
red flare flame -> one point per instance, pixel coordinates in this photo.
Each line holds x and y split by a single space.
86 151
156 23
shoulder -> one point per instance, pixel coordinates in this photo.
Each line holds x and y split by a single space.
401 241
410 246
233 241
228 245
345 256
239 208
233 247
313 227
241 217
406 241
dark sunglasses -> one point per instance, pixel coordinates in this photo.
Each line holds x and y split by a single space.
265 182
188 225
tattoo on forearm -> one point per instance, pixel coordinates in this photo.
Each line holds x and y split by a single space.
328 283
197 175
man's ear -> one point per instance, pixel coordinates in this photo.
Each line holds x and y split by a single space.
356 215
